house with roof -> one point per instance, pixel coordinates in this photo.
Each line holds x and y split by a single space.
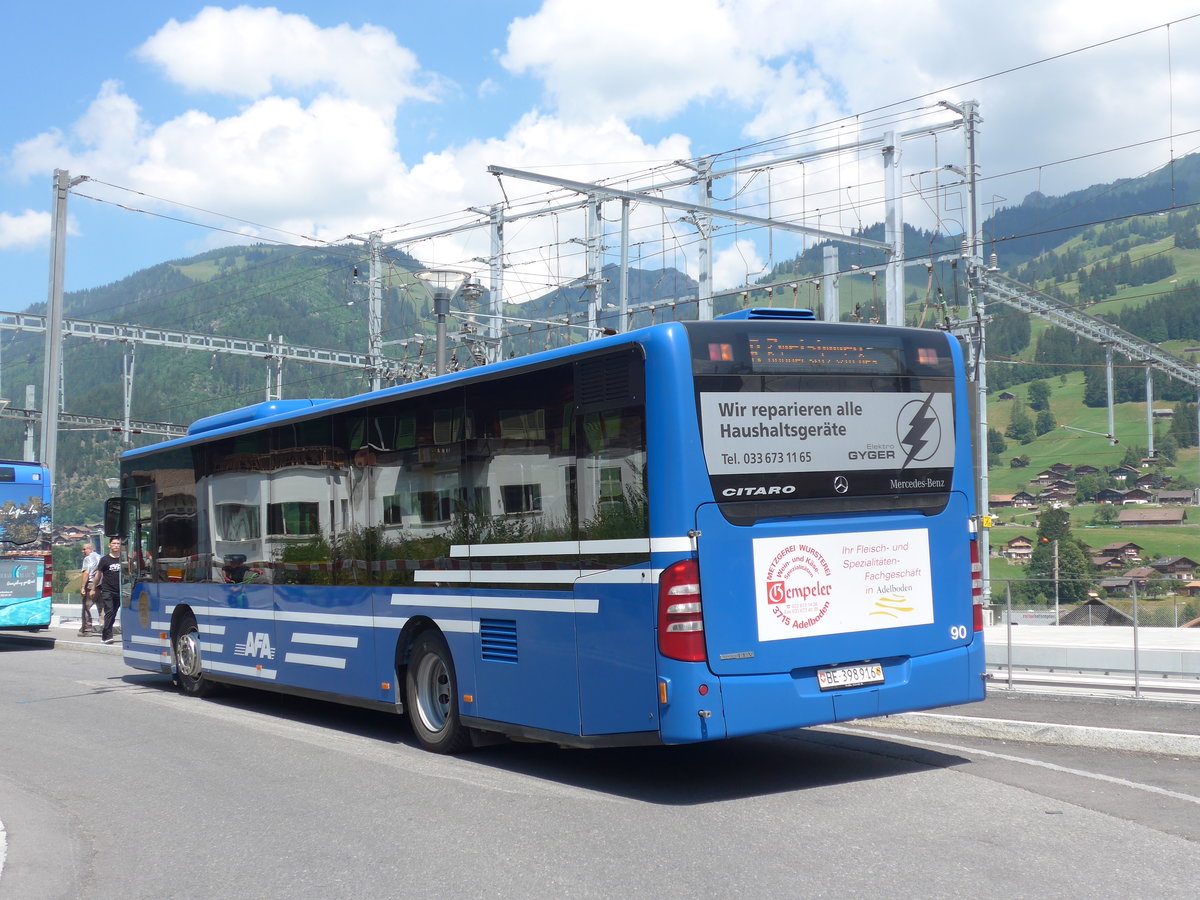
1110 496
1000 501
1024 500
1127 550
1019 549
1086 470
1118 586
1182 568
1096 612
1105 563
1136 495
1134 518
1122 473
1176 498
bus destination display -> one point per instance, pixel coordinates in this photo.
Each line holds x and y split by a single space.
803 353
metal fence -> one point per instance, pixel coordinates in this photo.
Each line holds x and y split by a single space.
1128 644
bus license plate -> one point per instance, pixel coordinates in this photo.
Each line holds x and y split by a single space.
849 676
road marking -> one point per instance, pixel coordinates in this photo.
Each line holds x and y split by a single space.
1111 779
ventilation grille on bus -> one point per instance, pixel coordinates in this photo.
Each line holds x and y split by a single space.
498 640
605 381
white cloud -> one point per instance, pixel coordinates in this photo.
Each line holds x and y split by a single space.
737 265
24 231
635 59
250 52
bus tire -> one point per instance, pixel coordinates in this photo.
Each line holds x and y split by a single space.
431 696
185 648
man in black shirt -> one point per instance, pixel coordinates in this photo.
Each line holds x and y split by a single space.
107 581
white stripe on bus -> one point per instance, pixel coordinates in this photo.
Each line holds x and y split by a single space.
307 659
515 604
324 640
149 641
573 548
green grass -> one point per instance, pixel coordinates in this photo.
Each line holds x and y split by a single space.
1156 541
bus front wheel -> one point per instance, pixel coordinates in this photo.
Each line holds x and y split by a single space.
431 694
188 669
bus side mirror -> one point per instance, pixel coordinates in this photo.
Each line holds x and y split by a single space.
116 516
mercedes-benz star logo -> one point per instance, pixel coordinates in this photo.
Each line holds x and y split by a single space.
840 484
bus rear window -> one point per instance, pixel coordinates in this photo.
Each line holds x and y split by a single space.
844 416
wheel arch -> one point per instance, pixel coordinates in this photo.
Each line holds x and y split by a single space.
408 635
178 614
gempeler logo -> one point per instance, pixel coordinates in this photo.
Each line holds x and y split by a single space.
798 589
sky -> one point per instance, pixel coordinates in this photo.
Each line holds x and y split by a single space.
198 126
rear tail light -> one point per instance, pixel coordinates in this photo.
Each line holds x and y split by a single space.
48 577
680 616
976 588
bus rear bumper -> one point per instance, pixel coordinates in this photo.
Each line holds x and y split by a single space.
755 704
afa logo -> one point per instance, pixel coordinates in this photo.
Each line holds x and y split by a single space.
258 644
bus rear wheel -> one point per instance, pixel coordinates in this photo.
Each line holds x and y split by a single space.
431 695
189 672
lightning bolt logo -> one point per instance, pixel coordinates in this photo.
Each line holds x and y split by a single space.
918 427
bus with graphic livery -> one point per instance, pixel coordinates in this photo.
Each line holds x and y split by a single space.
26 573
687 532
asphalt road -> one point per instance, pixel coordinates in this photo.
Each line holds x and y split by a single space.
113 785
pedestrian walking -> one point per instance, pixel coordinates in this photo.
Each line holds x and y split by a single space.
87 590
107 579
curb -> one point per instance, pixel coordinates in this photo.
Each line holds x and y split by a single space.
61 643
1166 743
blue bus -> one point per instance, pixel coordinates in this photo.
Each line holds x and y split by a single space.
26 574
687 532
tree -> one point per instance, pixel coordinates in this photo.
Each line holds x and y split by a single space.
1074 564
1020 426
996 446
1183 424
1045 422
1039 395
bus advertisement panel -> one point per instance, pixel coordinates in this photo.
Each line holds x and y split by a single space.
687 532
25 569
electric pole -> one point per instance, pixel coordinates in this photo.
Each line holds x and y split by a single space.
52 378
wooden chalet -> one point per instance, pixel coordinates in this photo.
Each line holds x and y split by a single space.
1177 498
1127 550
1019 549
1182 568
1134 518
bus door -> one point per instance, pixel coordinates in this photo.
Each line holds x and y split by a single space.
138 572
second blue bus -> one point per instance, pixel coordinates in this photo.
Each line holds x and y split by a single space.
26 573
